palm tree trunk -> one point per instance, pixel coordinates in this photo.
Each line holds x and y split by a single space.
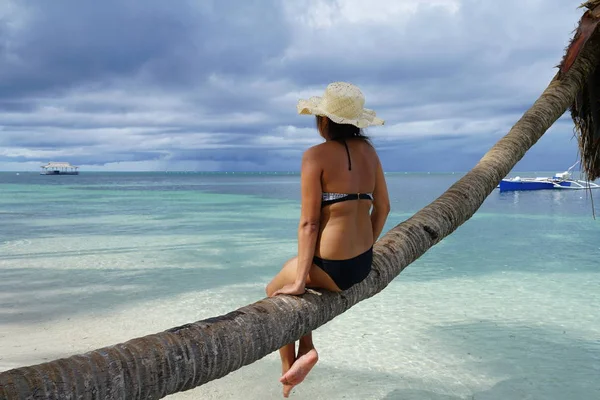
185 357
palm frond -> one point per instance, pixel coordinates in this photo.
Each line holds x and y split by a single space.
585 109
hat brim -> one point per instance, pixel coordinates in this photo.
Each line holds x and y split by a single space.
312 107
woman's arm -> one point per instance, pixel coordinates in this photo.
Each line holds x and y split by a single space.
310 217
381 203
310 214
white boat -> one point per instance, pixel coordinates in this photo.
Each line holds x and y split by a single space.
562 181
59 168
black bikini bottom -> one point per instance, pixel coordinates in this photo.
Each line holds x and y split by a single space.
346 273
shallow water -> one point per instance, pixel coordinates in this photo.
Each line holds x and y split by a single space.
506 307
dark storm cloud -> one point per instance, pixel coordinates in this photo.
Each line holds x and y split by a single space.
72 42
68 43
215 83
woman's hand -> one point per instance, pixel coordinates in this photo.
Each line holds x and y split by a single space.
294 289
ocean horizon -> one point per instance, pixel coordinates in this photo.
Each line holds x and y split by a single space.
504 308
265 172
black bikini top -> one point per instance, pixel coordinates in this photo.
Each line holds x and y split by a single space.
330 198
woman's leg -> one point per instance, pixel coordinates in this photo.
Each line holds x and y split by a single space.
307 355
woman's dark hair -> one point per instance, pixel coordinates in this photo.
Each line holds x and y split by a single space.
334 131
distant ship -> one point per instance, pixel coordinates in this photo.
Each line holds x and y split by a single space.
59 168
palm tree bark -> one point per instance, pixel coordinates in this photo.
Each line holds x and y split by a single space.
185 357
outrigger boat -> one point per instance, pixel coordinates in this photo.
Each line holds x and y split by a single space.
560 181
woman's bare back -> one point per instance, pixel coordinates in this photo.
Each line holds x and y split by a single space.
345 227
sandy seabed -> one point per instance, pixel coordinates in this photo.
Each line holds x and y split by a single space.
490 337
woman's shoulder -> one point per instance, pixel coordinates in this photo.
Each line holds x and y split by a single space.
317 149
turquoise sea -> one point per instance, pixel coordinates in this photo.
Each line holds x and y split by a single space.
505 308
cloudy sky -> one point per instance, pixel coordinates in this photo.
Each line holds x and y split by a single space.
213 84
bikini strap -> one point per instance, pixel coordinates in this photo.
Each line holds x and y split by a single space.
349 160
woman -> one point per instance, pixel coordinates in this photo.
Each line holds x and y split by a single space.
344 207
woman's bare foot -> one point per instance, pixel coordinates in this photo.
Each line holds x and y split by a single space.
298 371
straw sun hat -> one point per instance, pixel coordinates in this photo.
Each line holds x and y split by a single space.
342 103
